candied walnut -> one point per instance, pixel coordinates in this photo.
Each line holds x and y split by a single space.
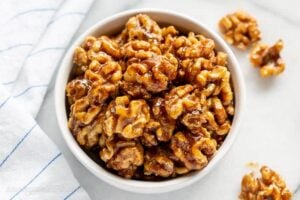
268 59
123 156
195 122
240 29
194 46
194 153
155 103
139 49
126 117
153 73
88 42
80 57
169 35
204 123
88 136
269 186
83 112
103 46
167 124
104 80
158 163
77 89
135 90
181 99
219 110
142 27
151 132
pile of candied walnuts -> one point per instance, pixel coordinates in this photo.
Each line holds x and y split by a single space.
150 101
241 30
269 186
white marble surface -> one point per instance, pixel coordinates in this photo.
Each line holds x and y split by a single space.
270 133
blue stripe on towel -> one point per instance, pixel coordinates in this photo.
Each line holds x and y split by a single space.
17 145
75 190
37 175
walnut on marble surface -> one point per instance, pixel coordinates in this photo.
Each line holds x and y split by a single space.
151 102
240 29
268 59
268 186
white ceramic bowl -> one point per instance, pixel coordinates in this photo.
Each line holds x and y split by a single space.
112 25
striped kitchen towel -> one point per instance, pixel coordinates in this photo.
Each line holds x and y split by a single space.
34 35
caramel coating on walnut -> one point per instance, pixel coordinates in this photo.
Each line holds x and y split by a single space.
180 100
240 29
153 73
194 153
157 162
269 186
142 27
104 79
122 156
268 59
77 89
152 102
126 117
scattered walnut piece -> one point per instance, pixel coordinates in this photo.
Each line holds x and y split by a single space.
269 186
268 59
240 29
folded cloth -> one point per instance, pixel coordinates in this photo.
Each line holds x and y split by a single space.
34 35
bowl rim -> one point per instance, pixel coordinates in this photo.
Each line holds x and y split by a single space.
139 186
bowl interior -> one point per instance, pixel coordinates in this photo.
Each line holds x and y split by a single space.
113 25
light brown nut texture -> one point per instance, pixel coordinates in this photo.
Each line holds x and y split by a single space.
153 102
269 186
77 89
126 117
83 111
104 80
142 27
240 29
268 59
167 124
180 100
153 73
194 153
88 136
158 163
123 156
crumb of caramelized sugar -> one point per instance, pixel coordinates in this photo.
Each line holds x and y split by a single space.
268 59
253 165
269 186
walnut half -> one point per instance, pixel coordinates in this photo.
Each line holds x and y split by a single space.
240 29
269 186
268 59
